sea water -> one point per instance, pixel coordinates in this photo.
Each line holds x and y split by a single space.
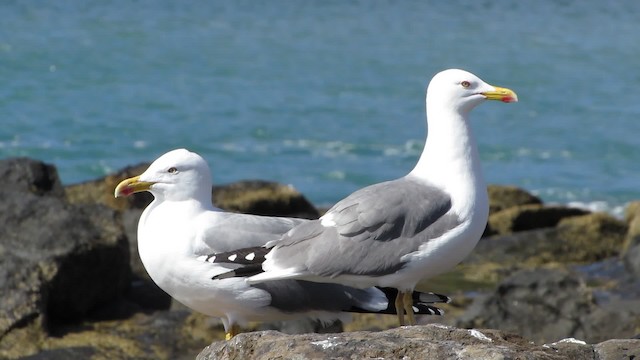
325 95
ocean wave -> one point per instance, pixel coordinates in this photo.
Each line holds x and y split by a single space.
410 148
583 199
600 206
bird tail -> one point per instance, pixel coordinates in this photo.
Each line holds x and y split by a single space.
423 303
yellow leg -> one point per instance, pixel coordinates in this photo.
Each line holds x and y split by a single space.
235 330
400 308
408 307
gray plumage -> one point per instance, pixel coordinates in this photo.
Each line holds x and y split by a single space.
233 231
390 220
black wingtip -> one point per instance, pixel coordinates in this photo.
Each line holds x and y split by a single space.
430 297
418 309
246 256
244 271
423 309
417 296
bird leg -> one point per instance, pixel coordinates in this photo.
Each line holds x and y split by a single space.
400 307
408 307
235 330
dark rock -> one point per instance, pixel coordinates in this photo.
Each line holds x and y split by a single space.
578 239
160 335
618 349
78 352
72 248
143 291
632 260
542 305
263 198
146 294
546 305
503 197
618 319
130 219
432 341
59 262
529 217
28 175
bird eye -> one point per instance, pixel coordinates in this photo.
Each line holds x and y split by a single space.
172 170
465 84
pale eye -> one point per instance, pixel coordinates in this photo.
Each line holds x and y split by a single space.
172 170
465 84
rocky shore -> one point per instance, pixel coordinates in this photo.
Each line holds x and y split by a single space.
73 287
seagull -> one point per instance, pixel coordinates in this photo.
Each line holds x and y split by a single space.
178 230
396 233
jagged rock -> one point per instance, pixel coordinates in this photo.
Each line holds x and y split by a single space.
503 197
263 198
529 217
546 305
55 258
432 342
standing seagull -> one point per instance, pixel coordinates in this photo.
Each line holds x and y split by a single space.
181 226
395 233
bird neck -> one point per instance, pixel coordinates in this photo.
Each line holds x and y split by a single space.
450 159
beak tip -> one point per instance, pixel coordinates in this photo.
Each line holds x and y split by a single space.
510 99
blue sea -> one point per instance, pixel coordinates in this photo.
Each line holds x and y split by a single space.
325 95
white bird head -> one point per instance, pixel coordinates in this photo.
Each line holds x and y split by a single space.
461 91
177 175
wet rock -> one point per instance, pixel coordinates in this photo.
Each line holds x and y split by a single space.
432 341
546 305
529 217
503 197
263 198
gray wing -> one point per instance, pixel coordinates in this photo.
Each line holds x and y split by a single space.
231 231
375 227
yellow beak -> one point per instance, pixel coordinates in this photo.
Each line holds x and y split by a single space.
502 94
131 185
